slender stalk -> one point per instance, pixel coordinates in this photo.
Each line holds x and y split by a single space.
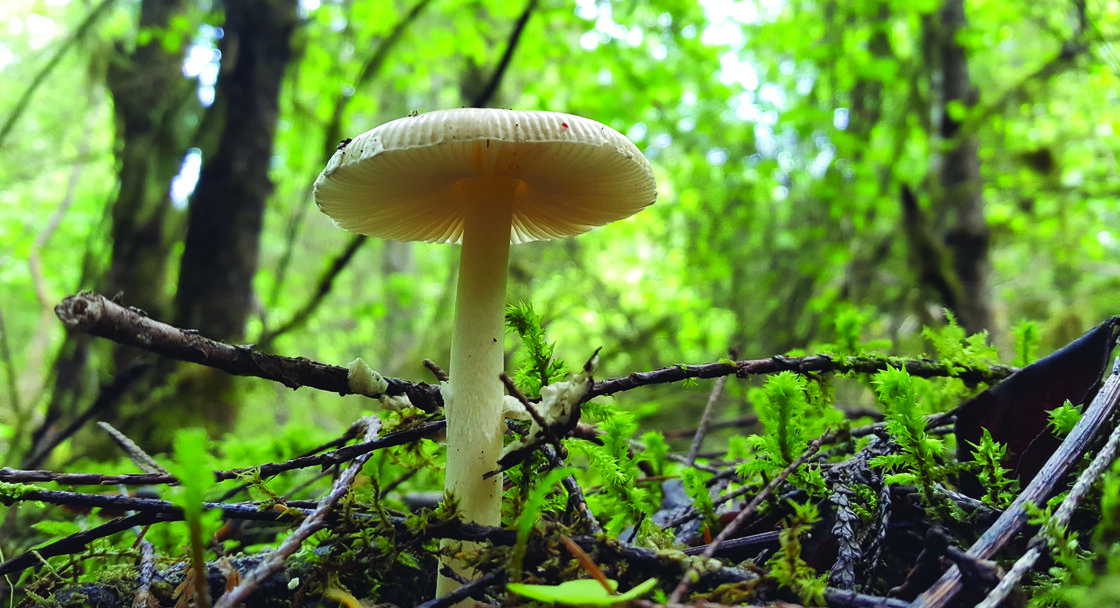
473 398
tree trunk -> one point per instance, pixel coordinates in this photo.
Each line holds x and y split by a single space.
968 237
215 294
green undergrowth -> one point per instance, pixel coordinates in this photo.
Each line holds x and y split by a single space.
626 472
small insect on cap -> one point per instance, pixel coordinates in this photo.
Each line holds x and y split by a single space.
417 178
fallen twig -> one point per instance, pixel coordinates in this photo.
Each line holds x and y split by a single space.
334 457
925 368
99 316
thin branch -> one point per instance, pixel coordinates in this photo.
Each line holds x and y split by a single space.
135 453
436 370
146 575
486 95
339 456
99 316
925 368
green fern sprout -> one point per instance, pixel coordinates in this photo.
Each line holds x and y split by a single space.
789 417
1063 418
540 367
919 451
656 452
957 349
783 414
1002 486
621 501
696 488
849 324
190 466
787 567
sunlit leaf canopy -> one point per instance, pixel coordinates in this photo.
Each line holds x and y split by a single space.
781 134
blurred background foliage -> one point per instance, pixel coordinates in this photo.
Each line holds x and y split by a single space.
814 158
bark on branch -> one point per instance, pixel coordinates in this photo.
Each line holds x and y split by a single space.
99 316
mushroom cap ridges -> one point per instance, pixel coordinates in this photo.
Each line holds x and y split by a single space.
415 178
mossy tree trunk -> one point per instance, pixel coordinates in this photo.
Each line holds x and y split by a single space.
220 258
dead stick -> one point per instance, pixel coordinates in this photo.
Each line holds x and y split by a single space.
99 316
924 368
706 417
334 457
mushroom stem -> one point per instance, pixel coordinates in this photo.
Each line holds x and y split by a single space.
474 403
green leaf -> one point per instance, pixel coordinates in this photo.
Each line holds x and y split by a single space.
533 507
190 467
56 528
956 110
582 592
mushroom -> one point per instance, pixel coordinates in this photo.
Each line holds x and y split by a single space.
486 178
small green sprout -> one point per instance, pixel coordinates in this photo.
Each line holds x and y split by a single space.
1063 418
787 567
1002 486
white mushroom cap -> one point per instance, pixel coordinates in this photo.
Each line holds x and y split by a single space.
408 179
